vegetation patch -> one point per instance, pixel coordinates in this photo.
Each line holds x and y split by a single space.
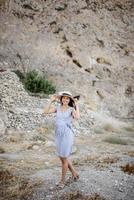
108 160
36 83
130 153
99 130
115 140
96 161
129 129
79 196
19 74
15 187
2 150
110 128
85 160
128 168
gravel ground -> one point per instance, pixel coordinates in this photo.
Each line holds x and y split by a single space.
108 184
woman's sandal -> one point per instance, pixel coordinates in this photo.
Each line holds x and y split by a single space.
71 179
75 178
60 185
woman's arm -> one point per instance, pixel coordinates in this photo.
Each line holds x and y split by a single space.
76 112
50 108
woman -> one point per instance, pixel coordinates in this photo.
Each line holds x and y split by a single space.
64 135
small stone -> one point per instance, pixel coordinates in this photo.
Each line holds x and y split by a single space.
35 147
47 163
39 141
49 144
120 189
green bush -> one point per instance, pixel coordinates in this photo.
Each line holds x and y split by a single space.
36 83
99 130
115 140
19 74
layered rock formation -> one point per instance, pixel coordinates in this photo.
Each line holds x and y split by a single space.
83 46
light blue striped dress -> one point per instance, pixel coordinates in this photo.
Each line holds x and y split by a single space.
64 134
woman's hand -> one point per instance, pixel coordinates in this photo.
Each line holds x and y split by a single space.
76 113
75 102
76 99
54 98
49 108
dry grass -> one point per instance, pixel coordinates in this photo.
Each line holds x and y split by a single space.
99 130
108 160
15 187
96 161
2 150
115 140
43 130
130 153
109 127
46 132
85 160
90 104
128 168
79 196
129 129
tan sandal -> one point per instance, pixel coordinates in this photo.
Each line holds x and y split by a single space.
76 178
71 179
60 185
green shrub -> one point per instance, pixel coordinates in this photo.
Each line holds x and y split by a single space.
115 140
38 84
130 129
19 74
98 130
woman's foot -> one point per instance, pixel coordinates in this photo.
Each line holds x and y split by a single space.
60 184
69 180
72 179
76 177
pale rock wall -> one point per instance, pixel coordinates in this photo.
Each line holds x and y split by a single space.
83 46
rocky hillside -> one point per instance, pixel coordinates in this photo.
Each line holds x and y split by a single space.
86 47
83 46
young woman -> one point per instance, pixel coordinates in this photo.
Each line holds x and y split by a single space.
64 134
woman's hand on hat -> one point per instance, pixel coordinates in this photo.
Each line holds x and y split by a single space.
76 101
54 98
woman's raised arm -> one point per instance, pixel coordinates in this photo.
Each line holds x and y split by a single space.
50 108
76 112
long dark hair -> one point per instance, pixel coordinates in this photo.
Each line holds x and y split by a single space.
71 102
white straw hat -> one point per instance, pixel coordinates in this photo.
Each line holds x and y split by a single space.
67 94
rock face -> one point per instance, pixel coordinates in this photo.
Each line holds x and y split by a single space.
25 112
83 46
3 122
2 127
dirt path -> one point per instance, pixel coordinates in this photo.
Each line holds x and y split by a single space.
106 170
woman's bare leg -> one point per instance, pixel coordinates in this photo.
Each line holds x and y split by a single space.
71 168
64 163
